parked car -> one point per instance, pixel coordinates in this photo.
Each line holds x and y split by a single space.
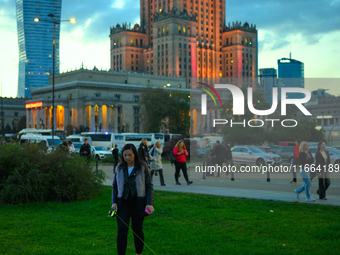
287 143
251 155
44 141
77 146
334 154
266 149
286 153
99 152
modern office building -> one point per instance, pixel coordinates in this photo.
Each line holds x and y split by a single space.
187 39
291 72
268 80
35 40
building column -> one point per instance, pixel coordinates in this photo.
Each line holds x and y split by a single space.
27 118
66 117
92 120
43 120
38 117
108 121
115 124
100 118
48 118
54 113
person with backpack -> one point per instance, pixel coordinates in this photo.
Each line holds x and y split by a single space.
180 152
156 161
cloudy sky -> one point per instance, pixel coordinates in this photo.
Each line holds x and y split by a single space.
310 29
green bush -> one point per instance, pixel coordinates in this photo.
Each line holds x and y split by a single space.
29 174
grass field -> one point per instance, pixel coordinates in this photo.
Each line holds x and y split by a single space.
181 224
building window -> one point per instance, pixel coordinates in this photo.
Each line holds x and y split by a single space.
135 110
117 97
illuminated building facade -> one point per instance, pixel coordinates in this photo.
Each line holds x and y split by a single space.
189 39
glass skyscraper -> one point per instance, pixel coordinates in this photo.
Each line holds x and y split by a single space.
35 41
291 72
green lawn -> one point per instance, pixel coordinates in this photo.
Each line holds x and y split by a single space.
181 224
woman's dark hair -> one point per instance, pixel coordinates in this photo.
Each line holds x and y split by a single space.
130 146
319 145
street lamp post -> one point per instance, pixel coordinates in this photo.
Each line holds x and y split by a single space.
2 115
169 85
53 59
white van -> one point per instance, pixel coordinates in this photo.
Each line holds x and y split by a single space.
79 139
43 140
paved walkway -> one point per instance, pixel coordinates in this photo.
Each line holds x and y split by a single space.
250 186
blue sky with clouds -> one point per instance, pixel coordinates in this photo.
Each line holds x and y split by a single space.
308 28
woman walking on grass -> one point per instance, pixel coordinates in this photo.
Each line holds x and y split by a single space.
132 196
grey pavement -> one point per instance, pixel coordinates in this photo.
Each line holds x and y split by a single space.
249 186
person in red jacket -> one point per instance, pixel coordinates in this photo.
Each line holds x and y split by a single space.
296 159
180 152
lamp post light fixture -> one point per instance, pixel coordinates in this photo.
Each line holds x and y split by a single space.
55 23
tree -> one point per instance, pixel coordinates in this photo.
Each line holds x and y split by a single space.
178 113
155 105
159 106
239 133
22 123
8 129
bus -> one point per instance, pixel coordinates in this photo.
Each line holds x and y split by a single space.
100 139
108 140
79 139
57 132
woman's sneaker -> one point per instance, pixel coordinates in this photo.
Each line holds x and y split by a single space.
310 199
297 194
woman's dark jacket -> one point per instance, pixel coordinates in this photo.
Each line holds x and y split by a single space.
305 162
143 153
320 162
137 185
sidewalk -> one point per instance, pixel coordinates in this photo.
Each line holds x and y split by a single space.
249 186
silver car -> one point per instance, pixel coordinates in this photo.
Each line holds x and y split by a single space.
334 154
99 152
250 155
286 153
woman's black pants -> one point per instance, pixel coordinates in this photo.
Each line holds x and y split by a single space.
125 212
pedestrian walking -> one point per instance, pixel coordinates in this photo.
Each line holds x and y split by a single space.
143 151
322 161
306 159
85 150
132 196
296 160
156 161
115 155
71 148
180 152
218 154
63 147
228 156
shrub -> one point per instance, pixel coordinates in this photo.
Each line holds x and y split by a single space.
29 174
